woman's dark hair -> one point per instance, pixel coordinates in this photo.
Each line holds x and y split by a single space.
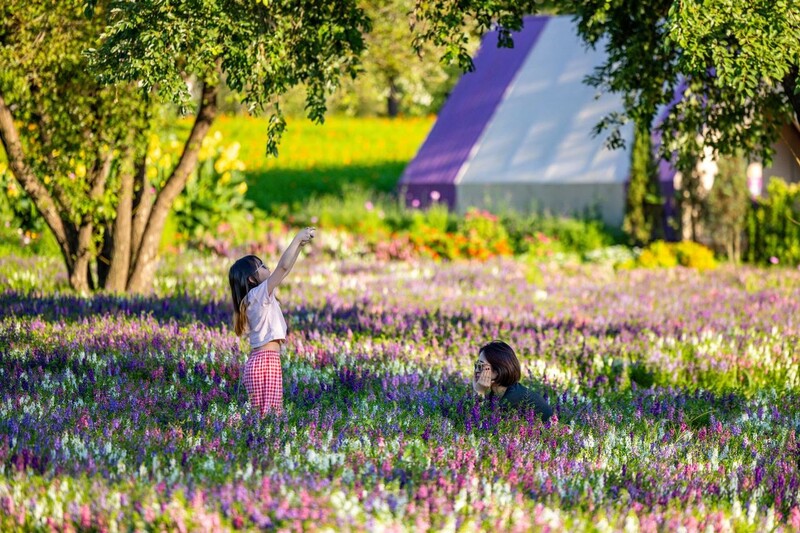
504 361
240 277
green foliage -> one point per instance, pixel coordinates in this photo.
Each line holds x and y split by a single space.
733 62
437 218
484 226
395 79
643 211
69 124
449 26
82 82
215 193
773 225
16 208
640 375
262 49
431 232
726 207
358 211
576 235
19 242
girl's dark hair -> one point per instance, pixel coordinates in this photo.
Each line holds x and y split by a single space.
240 277
504 361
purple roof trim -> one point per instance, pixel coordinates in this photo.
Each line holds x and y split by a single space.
465 115
666 170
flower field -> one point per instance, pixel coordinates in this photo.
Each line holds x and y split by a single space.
677 397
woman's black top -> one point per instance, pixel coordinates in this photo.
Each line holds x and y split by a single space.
520 396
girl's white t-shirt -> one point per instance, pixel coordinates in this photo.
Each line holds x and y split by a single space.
264 316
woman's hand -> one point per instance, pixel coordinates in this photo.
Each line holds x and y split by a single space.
484 381
306 235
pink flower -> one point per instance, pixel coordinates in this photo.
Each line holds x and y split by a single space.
795 518
774 260
368 206
414 203
435 196
86 516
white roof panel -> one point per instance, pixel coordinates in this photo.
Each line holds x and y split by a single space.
541 131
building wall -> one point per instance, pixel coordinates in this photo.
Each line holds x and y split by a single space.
604 200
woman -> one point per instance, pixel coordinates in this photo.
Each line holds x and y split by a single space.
497 373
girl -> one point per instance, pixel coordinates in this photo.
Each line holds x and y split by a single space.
256 309
497 372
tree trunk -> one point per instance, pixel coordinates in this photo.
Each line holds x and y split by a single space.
34 188
78 267
790 86
118 238
144 266
393 100
73 242
81 272
142 204
103 260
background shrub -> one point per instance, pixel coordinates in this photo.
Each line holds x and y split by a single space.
726 208
694 255
573 235
660 254
773 225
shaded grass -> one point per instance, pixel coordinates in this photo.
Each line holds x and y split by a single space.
278 190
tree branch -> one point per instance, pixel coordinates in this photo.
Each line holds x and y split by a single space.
100 175
142 203
790 86
120 252
27 179
148 247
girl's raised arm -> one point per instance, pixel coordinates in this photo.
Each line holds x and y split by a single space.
289 257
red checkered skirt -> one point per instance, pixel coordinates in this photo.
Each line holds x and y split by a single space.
264 381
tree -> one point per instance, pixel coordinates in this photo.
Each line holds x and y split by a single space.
394 78
81 82
66 137
401 75
727 206
725 70
643 202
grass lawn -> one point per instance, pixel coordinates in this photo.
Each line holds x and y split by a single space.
317 160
